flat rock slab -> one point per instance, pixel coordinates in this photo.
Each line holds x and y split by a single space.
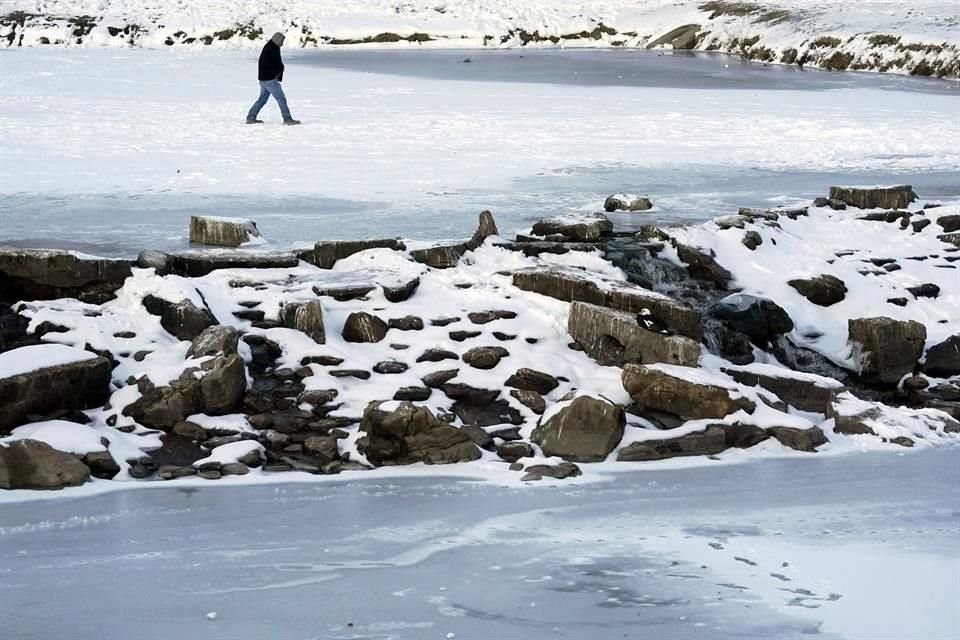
677 391
615 338
41 274
895 197
540 247
222 232
325 254
802 391
570 286
44 379
587 229
200 262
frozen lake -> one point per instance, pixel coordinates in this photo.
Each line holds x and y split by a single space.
111 151
857 546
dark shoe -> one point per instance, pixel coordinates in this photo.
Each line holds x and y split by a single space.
291 121
254 121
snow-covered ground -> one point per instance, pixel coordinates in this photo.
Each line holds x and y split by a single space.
112 150
857 547
918 37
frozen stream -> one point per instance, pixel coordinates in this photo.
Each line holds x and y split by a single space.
858 546
110 151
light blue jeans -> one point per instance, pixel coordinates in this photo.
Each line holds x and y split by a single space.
270 88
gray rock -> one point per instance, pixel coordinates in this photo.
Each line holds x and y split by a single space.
711 441
655 390
485 357
613 203
437 379
101 464
801 393
437 355
799 439
344 293
683 37
234 469
534 248
485 414
616 338
400 292
485 317
943 359
560 471
388 367
479 436
322 447
317 397
586 430
445 257
897 197
172 472
222 388
359 374
65 387
513 451
306 317
570 286
760 319
885 349
183 319
588 230
413 394
42 274
364 327
215 340
223 232
30 464
195 264
823 290
949 224
406 323
703 266
326 253
530 399
253 459
752 240
412 434
532 380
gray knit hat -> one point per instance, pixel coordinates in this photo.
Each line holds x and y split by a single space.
278 39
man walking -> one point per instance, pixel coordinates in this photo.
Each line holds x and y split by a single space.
270 75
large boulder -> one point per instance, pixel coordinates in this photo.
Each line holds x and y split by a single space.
306 317
587 229
42 274
616 338
586 429
183 320
823 290
572 286
222 232
218 390
31 464
325 254
760 319
804 391
884 349
44 379
896 197
408 434
943 359
677 391
710 441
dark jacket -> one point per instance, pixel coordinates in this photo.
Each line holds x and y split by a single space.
271 65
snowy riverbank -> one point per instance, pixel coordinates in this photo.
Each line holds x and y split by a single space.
574 344
918 38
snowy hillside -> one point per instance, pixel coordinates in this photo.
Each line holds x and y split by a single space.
920 37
